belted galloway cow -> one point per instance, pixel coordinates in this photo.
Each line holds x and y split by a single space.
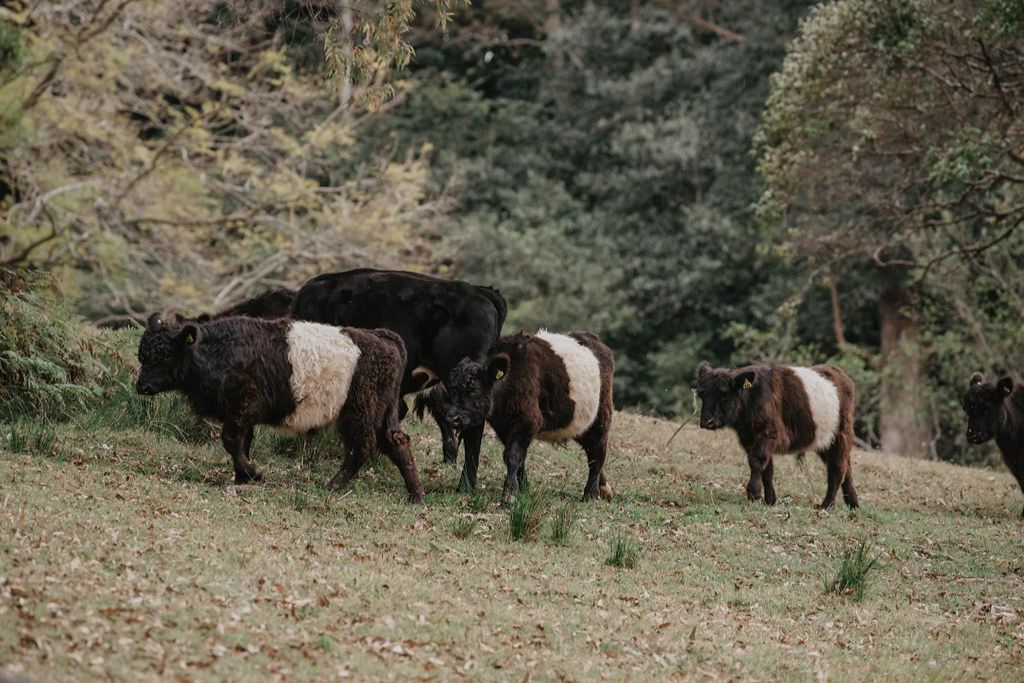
551 387
441 322
292 376
779 409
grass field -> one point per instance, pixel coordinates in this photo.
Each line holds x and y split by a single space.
127 554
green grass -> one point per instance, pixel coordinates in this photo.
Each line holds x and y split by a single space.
624 552
127 553
851 578
526 514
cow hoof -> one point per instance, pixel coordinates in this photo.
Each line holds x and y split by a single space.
340 482
416 498
248 476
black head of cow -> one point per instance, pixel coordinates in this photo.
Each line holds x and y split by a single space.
162 351
471 387
983 404
724 394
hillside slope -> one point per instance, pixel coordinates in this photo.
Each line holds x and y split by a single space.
127 554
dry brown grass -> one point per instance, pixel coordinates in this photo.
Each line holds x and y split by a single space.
128 555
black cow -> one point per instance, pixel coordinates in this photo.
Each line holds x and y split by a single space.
546 386
273 303
780 409
293 376
996 411
440 321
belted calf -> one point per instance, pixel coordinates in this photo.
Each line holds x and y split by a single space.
292 376
546 386
779 409
996 411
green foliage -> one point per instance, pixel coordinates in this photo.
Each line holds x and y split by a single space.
162 188
886 145
462 527
11 51
562 522
48 364
602 172
526 514
852 576
625 553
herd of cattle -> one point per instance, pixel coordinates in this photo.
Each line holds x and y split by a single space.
347 347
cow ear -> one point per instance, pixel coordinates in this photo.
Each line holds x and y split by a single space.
747 379
1005 386
976 378
188 335
497 367
703 369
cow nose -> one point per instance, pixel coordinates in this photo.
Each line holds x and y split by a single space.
456 421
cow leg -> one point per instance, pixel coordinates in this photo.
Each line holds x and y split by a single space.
758 458
595 444
437 404
359 443
395 444
237 439
449 441
767 475
834 473
515 459
849 494
472 437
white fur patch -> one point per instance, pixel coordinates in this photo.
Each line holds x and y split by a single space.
323 362
584 384
824 399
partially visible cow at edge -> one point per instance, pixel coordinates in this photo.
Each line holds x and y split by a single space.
440 321
546 386
996 411
292 376
778 409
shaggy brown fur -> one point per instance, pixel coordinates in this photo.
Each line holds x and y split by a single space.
441 322
237 370
769 408
523 391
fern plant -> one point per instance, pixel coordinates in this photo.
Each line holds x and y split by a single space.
48 364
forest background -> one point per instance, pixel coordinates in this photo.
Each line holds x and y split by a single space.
717 179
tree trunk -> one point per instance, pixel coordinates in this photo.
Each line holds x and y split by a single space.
904 420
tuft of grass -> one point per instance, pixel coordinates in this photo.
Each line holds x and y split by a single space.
562 522
624 552
462 527
526 514
851 578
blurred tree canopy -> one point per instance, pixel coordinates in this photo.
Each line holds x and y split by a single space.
190 153
599 155
892 145
728 180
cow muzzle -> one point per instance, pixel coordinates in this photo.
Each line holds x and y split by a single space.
145 388
709 423
976 437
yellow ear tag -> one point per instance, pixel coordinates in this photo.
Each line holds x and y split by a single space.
1007 389
499 375
747 384
189 339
